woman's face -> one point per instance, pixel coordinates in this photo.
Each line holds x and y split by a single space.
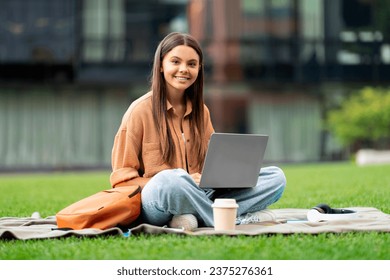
180 67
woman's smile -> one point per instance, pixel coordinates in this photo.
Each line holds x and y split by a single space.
181 78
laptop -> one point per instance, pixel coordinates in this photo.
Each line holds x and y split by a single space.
233 160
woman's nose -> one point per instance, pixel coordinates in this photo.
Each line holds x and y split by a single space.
183 68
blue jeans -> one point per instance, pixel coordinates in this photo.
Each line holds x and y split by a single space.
174 192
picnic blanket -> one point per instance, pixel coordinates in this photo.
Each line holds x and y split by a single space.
284 221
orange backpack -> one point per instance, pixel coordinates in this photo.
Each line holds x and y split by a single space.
118 206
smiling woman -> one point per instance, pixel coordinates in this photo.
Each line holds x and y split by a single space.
162 141
171 121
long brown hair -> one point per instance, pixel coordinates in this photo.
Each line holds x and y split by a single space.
194 93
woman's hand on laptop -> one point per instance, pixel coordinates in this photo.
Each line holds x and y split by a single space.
196 177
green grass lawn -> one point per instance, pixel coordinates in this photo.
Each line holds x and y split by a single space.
340 185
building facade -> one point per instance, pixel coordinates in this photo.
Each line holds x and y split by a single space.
69 69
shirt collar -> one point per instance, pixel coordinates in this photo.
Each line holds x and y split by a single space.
188 106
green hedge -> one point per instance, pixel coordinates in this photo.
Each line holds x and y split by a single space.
363 117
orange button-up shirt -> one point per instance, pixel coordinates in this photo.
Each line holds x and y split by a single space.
136 154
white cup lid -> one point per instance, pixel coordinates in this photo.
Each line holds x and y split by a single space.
225 203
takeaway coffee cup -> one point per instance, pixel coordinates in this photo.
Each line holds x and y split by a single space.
225 212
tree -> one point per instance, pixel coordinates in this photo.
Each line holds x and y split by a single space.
362 119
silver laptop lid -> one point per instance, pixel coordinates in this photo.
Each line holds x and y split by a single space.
233 160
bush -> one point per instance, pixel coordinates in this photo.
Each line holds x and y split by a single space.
364 117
